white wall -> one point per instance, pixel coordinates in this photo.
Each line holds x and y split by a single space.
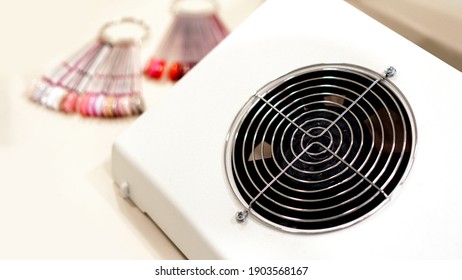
435 25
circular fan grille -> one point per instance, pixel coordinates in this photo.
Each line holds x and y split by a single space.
320 148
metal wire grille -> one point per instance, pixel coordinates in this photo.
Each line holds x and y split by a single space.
320 148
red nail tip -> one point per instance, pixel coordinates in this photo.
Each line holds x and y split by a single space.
175 71
69 102
83 105
155 68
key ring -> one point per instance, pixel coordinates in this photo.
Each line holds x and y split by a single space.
125 29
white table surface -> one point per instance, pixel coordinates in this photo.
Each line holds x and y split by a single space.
58 200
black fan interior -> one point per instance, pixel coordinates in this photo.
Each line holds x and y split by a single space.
325 147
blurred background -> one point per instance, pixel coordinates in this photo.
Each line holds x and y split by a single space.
435 25
58 197
35 32
38 33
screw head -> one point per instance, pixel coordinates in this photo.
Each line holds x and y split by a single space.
390 72
125 189
241 215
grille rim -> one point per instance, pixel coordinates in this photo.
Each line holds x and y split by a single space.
252 102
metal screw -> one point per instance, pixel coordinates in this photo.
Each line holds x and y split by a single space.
241 215
390 72
125 189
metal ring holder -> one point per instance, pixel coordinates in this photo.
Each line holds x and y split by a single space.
105 31
194 7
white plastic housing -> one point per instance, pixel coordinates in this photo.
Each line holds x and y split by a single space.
173 156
